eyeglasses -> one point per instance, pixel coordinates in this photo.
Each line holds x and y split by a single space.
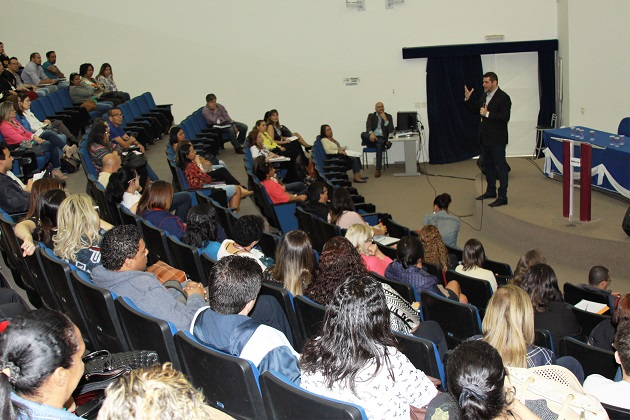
369 241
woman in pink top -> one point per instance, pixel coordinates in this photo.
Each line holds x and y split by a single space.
361 236
14 134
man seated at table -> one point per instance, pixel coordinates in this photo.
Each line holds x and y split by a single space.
378 127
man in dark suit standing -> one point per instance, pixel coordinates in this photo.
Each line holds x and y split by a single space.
378 127
494 108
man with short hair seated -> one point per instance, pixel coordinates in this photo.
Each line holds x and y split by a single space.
317 203
123 271
233 287
14 198
598 281
111 164
607 391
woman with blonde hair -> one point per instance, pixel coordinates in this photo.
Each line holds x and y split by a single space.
80 231
435 251
361 237
156 392
508 326
294 262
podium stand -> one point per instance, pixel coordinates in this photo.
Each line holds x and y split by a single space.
410 154
584 163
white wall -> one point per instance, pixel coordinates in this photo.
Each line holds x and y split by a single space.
593 38
256 55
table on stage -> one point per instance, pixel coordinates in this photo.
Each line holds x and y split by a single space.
609 165
410 141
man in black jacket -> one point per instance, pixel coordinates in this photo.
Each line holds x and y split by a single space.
378 127
494 110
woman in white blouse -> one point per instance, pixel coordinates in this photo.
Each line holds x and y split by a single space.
332 147
474 257
356 358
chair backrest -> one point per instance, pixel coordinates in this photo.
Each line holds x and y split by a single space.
617 412
327 230
423 354
459 254
310 316
107 211
129 218
574 294
593 359
285 299
458 321
285 400
229 383
187 258
394 229
100 311
502 271
435 270
46 290
387 250
222 216
542 338
306 223
478 291
268 244
207 262
405 290
86 162
144 332
588 320
155 240
13 254
58 273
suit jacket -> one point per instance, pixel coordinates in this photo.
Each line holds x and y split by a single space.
493 131
372 123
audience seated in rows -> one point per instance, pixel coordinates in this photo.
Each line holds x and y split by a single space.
407 268
280 133
81 93
30 122
603 335
154 206
447 224
550 311
11 75
356 358
105 78
123 271
294 263
86 70
40 357
286 148
156 392
19 138
599 279
294 171
474 257
343 214
233 285
50 67
607 391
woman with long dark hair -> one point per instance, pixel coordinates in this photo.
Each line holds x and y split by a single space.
356 358
124 188
551 312
203 231
43 225
474 257
40 366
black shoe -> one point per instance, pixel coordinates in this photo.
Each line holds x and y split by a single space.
388 145
498 202
239 151
308 148
486 195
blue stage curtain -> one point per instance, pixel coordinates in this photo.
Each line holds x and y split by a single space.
454 130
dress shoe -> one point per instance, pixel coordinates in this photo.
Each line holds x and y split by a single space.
359 181
388 145
486 195
377 174
56 173
365 177
498 202
308 148
239 151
